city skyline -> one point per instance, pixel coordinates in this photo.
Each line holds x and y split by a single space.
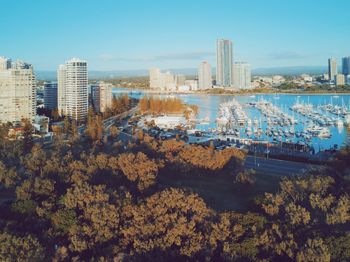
170 36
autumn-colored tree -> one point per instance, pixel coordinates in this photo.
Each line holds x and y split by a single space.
276 240
155 105
206 158
55 114
97 215
235 236
114 131
314 250
139 168
28 131
8 177
168 220
297 215
66 125
272 203
340 214
94 128
246 177
16 248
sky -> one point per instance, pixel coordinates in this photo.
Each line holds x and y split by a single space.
139 34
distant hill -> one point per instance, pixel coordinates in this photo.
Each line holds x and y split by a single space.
293 70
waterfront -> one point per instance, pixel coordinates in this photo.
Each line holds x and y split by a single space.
209 109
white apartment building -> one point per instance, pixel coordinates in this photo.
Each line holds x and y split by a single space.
154 78
102 96
192 84
339 79
17 91
242 76
61 90
180 80
161 81
204 76
72 80
5 63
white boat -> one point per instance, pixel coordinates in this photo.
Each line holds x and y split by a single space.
324 133
339 123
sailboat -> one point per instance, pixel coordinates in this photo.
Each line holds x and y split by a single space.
276 96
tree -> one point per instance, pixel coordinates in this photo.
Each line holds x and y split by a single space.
246 177
234 236
14 248
340 214
94 128
314 250
277 240
66 125
297 215
139 168
73 131
272 203
339 247
8 177
170 220
97 217
114 131
55 115
27 135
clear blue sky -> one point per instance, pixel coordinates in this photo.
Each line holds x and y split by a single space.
138 34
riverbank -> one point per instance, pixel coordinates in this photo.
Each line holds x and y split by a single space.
223 92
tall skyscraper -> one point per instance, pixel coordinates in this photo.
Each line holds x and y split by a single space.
346 65
204 76
102 96
50 95
17 91
72 79
224 59
332 68
242 75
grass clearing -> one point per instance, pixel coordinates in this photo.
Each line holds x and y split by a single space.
220 192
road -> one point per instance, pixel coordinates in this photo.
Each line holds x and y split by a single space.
277 167
108 123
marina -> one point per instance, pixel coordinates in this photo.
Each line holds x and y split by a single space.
309 121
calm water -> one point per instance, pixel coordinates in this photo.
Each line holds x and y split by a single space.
209 105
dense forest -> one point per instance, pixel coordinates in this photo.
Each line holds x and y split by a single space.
79 200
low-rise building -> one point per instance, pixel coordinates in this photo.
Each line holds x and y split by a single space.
41 124
193 84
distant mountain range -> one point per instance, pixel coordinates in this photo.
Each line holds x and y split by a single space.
291 70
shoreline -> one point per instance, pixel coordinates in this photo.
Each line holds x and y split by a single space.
157 92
